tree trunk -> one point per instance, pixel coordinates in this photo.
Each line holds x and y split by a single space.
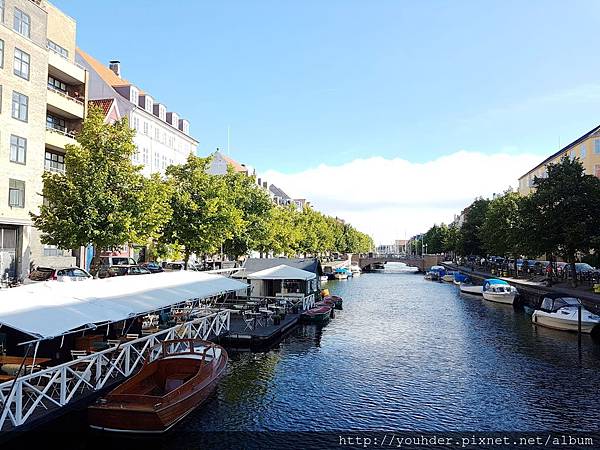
96 262
573 273
186 257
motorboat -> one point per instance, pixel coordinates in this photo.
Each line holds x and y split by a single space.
355 270
448 277
341 273
469 288
337 301
561 313
499 291
178 376
435 273
324 278
319 315
460 278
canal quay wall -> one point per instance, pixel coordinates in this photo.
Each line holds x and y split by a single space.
531 293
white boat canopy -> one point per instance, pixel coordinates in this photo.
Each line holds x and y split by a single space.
50 309
282 272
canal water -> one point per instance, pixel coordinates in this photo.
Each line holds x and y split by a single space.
408 354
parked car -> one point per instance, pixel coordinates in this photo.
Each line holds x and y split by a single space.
584 267
109 261
174 266
51 274
153 267
120 270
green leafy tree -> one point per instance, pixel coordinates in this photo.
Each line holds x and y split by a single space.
283 232
205 213
564 211
255 207
469 241
436 239
102 198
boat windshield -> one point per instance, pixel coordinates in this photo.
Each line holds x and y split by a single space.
554 304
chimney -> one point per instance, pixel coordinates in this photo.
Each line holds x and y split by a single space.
115 66
265 184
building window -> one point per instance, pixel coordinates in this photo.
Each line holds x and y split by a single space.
145 156
53 83
156 134
1 52
56 123
58 49
145 127
572 155
16 193
18 149
53 250
21 22
597 146
20 105
597 170
582 151
156 160
164 162
134 96
21 65
54 162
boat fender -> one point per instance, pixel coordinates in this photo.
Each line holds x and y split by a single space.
332 313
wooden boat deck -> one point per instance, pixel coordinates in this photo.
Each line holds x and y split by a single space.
240 336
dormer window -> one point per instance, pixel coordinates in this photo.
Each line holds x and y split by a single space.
149 104
134 95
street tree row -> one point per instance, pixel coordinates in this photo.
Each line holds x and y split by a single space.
559 218
102 199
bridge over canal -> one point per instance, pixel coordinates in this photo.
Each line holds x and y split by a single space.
368 261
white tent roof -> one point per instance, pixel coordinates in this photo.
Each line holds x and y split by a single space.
282 272
53 308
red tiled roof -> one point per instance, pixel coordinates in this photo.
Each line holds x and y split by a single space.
236 165
104 104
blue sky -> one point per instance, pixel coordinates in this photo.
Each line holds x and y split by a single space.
308 82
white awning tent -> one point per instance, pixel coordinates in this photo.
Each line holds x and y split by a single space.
50 309
282 272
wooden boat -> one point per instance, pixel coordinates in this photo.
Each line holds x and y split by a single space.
319 315
180 376
336 300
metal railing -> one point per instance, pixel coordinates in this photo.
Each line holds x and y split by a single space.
45 390
69 134
65 95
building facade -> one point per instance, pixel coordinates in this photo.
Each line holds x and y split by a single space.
162 137
42 103
586 148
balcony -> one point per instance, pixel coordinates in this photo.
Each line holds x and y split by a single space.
67 71
57 139
64 104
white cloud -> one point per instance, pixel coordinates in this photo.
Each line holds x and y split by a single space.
394 198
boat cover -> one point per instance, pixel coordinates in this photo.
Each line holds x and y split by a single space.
282 272
461 277
53 308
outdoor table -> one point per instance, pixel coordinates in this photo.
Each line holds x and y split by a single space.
19 360
4 378
255 316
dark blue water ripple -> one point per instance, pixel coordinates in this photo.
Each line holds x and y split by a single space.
408 354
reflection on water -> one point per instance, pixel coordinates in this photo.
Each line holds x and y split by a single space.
409 354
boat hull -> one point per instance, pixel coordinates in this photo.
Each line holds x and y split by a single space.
549 320
124 412
507 298
341 276
471 289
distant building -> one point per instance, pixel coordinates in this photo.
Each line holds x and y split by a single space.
162 137
43 96
586 148
220 163
279 196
